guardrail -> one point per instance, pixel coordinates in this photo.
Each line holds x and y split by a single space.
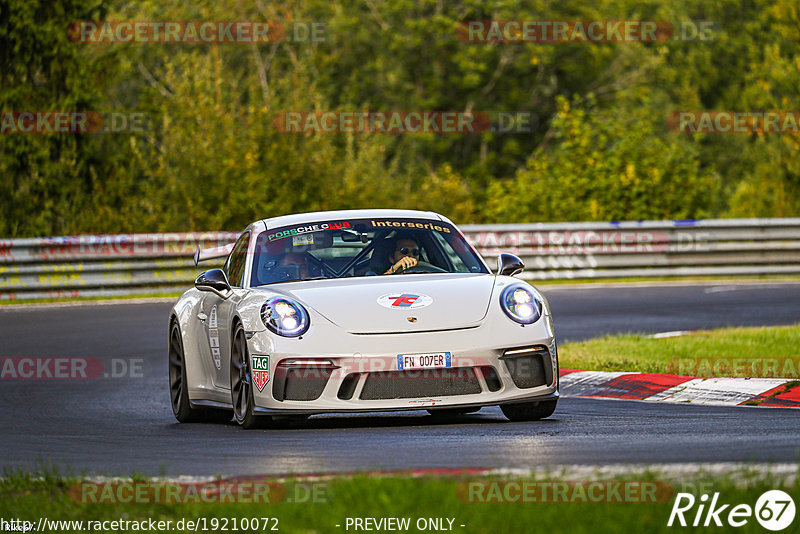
101 265
719 247
108 265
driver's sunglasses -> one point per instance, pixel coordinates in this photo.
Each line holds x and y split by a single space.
405 251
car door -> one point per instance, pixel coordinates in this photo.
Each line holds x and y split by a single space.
217 314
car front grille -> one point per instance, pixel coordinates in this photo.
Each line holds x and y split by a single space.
420 383
529 367
299 384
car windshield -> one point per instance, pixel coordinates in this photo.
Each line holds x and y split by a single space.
361 247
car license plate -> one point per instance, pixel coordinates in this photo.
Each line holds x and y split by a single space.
434 360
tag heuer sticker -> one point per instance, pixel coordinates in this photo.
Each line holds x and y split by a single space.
260 371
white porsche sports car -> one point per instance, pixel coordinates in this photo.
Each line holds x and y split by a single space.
353 311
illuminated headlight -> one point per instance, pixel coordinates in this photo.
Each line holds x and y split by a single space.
520 304
285 317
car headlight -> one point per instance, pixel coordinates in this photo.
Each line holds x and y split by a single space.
521 304
285 317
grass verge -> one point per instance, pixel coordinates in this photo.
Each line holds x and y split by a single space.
576 509
765 352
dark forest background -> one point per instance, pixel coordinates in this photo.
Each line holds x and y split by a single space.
210 158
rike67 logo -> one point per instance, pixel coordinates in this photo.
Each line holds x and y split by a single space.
774 510
260 371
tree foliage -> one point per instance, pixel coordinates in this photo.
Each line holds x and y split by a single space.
210 156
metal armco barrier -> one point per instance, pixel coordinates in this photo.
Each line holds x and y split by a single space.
107 265
101 265
721 247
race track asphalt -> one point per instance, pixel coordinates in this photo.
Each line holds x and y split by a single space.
124 425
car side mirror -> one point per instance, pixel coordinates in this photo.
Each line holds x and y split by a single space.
214 280
509 265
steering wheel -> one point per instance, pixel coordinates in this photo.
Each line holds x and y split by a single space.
423 268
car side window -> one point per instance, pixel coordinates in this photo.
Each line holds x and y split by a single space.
237 260
455 259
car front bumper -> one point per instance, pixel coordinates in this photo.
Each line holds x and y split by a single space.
498 362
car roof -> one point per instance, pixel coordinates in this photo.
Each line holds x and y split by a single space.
321 216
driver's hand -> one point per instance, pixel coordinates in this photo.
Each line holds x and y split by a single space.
404 263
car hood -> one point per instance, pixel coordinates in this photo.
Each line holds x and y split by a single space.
399 303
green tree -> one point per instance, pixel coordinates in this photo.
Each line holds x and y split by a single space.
604 168
47 180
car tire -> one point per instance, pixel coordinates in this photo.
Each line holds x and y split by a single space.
448 412
242 384
529 411
178 386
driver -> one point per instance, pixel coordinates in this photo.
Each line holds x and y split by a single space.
404 255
